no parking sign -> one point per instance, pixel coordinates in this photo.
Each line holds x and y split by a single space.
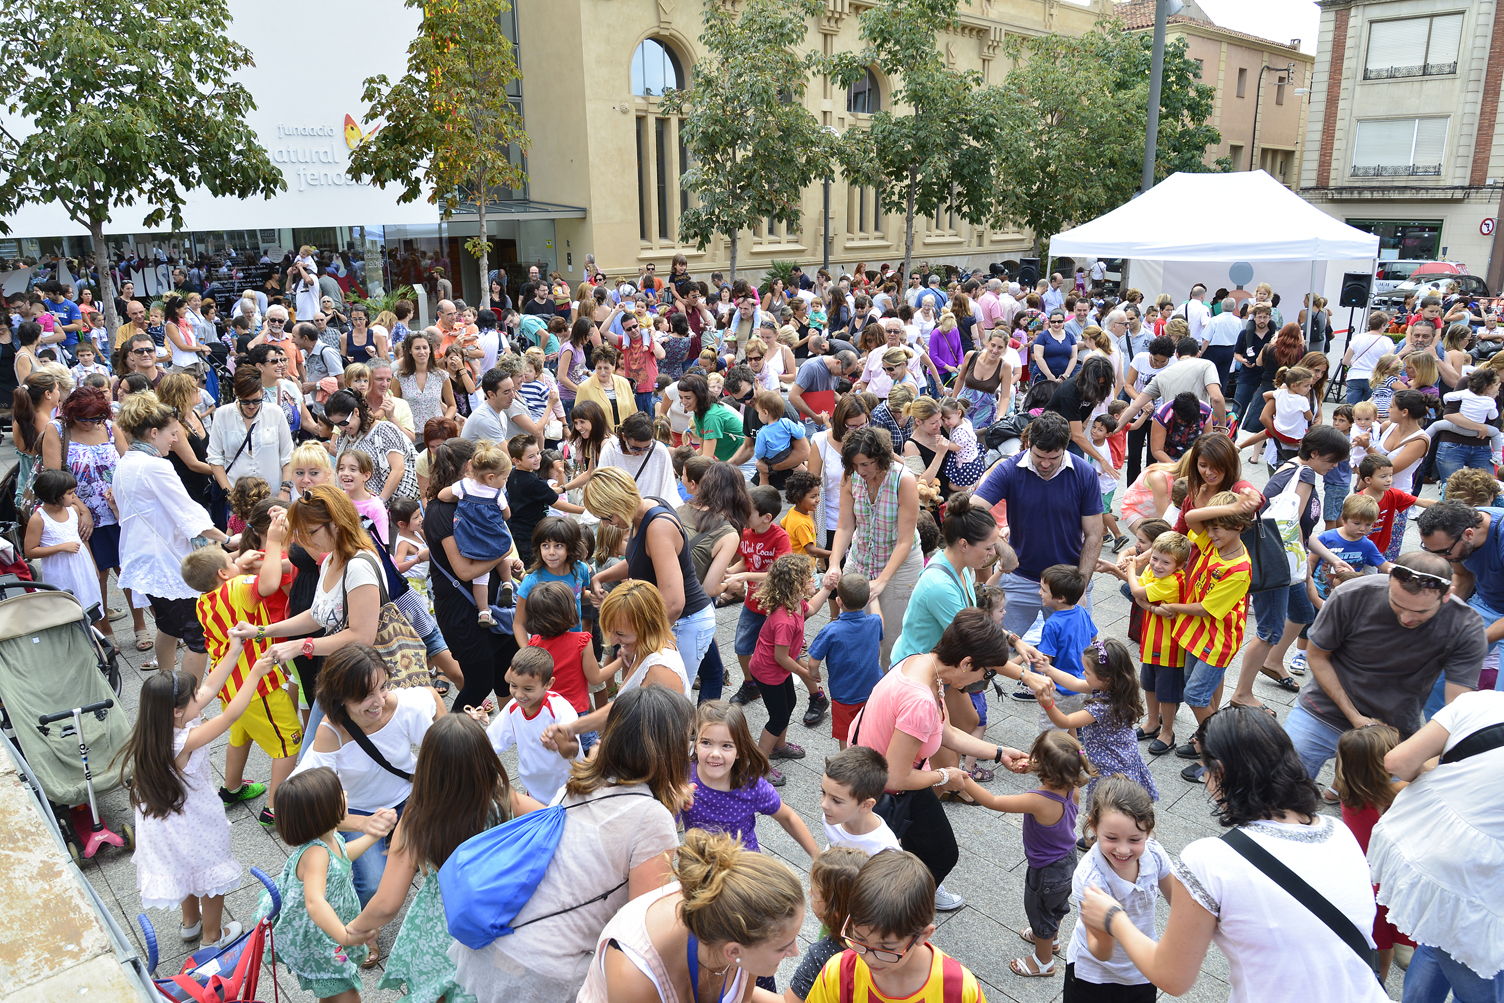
1487 226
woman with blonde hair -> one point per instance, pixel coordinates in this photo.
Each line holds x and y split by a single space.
924 454
190 454
892 414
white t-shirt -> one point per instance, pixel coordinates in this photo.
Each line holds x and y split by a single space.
328 609
1475 407
1290 413
668 657
1138 899
1367 349
542 770
876 841
1145 371
369 785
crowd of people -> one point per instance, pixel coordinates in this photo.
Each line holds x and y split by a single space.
392 553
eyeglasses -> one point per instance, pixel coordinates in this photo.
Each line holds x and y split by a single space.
890 957
629 329
1055 320
980 686
1421 579
754 358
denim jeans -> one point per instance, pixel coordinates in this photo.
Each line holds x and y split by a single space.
1247 396
1453 456
1024 605
1433 971
1487 612
366 869
1358 389
644 401
694 634
1315 741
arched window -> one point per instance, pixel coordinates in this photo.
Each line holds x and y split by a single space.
864 97
655 69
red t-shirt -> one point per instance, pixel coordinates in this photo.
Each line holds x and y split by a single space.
781 627
759 551
1394 501
569 672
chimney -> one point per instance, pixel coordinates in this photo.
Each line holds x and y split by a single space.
1294 43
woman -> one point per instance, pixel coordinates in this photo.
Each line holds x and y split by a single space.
875 535
158 522
460 789
31 410
138 355
966 324
614 847
363 343
825 460
1320 367
391 454
1148 497
716 425
729 909
499 300
1443 901
574 361
200 316
1055 350
892 415
1406 444
310 468
9 343
588 441
926 449
757 352
1177 424
24 362
1210 466
270 361
1103 345
884 367
190 454
1455 344
905 719
354 688
613 394
1363 351
1078 399
776 298
250 439
425 386
183 347
658 552
1278 950
718 509
945 347
985 381
1321 322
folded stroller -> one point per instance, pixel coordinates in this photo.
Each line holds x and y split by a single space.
223 974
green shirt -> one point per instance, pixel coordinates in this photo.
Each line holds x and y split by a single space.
933 605
724 426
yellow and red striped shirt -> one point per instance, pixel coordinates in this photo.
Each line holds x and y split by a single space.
1158 645
236 600
1221 586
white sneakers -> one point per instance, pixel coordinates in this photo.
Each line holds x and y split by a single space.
947 901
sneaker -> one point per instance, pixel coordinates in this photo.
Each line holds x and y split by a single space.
787 751
227 934
1187 751
245 792
747 693
775 777
1195 773
267 818
1084 845
1024 695
947 901
819 703
191 932
1120 543
1298 664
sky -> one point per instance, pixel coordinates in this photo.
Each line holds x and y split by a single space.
1277 20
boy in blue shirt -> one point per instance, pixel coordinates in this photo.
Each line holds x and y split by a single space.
775 439
849 645
1067 632
1350 542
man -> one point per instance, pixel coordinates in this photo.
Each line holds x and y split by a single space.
67 318
386 405
698 315
1054 297
329 286
1222 338
798 281
303 284
179 278
1190 373
135 323
1116 326
745 322
501 415
817 376
1430 313
451 330
1196 313
1078 320
1139 336
1473 541
1054 515
1376 649
990 305
933 294
328 333
1098 273
535 301
274 332
911 293
740 387
319 360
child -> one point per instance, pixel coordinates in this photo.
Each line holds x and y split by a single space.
775 660
854 780
554 626
1126 855
411 552
849 645
183 854
1067 632
53 540
994 601
1349 542
763 542
230 597
803 492
533 708
86 364
555 471
928 529
887 934
610 550
558 552
1387 372
1292 414
1178 490
1117 442
480 524
1049 813
1474 487
965 464
156 327
1163 660
353 469
532 498
1366 790
832 876
1337 482
1102 427
318 893
1478 404
775 439
730 786
243 497
1376 480
1365 417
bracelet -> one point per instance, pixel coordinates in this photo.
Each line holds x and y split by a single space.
1047 706
261 633
944 777
999 757
1112 914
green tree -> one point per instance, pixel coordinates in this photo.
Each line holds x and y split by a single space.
1076 116
753 145
450 126
943 153
128 102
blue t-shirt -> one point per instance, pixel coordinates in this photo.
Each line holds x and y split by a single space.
775 438
1356 553
1487 562
577 579
1066 634
66 312
848 645
1044 516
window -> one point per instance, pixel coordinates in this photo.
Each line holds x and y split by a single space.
1242 80
864 97
1200 68
864 212
655 69
1235 154
1404 238
1279 91
1399 147
1413 47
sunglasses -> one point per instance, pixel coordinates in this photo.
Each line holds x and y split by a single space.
340 422
1421 579
275 321
980 686
636 449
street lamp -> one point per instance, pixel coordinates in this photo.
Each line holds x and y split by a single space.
1258 95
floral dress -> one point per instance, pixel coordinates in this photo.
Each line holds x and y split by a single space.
306 949
675 352
383 439
1112 748
94 468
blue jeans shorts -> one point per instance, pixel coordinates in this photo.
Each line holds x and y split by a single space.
1201 681
748 626
1271 609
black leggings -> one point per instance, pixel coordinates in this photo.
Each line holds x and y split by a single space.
929 836
780 699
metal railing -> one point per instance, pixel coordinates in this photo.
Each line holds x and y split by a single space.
1396 170
1416 70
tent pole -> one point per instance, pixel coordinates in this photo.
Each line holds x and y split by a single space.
1311 304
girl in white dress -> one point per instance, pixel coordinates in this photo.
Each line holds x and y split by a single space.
53 540
183 854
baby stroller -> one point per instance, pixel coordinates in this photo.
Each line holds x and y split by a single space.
55 668
218 975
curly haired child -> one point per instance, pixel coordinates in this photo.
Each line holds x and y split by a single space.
243 498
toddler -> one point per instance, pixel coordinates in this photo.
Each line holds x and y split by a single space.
1364 429
157 328
849 645
54 542
1350 542
1102 427
1067 632
1366 791
1387 373
775 660
1162 676
1478 405
1292 414
832 876
965 464
480 524
775 439
411 552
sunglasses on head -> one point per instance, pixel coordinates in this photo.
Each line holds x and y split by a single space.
1421 579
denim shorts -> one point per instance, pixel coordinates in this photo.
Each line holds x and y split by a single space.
1271 609
1201 681
748 626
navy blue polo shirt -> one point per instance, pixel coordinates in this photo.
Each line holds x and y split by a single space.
1044 516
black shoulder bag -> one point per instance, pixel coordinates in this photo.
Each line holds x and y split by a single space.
369 747
218 494
893 809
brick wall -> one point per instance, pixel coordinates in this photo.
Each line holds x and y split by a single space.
1488 111
1329 115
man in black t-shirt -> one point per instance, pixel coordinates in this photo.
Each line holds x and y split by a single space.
740 387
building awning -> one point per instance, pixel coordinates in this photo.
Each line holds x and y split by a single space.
521 209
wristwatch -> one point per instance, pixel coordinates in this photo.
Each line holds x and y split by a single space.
307 647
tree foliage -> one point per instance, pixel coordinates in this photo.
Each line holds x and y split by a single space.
753 145
128 102
1076 115
448 124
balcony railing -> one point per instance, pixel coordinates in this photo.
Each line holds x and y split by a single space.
1417 70
1396 171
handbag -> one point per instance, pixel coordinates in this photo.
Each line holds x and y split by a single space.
893 809
400 647
1269 570
503 617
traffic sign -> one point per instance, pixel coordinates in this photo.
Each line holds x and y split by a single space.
1487 226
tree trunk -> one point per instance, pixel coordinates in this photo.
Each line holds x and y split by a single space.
908 229
484 255
734 239
106 288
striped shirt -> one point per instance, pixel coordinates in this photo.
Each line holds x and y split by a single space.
218 611
1158 646
1221 587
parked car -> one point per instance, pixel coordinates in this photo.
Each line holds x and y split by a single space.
1391 273
1471 286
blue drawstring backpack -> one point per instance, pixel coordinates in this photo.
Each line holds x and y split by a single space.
488 880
